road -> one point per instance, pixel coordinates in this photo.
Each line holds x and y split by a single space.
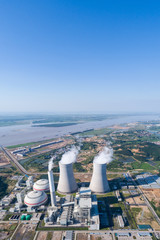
14 160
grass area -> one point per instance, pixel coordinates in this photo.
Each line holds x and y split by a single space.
109 194
135 211
7 217
142 165
39 228
97 132
112 176
23 145
11 170
130 217
60 195
13 227
157 209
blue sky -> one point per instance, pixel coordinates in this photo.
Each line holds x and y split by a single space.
79 56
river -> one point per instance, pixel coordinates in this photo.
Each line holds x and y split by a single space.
18 134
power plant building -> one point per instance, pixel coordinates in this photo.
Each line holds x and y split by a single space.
83 205
86 209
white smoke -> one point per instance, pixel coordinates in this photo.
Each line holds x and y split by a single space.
70 156
105 156
50 164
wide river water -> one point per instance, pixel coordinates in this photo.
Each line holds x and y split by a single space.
19 134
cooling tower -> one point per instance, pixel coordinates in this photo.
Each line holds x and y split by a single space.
99 182
67 182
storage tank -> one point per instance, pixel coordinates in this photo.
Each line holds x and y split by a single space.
23 217
28 217
41 185
35 198
67 182
99 182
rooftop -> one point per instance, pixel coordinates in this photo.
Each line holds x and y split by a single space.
85 203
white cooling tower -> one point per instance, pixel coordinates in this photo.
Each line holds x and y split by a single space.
52 188
67 182
99 182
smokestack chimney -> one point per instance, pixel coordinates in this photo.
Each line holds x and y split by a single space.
67 182
99 182
52 188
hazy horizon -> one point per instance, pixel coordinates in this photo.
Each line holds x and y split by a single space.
79 113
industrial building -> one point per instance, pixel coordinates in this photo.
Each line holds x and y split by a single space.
86 209
148 180
82 207
81 210
29 182
120 221
118 196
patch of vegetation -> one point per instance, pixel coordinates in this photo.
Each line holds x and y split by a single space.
24 145
60 195
7 217
152 150
78 167
88 146
60 228
115 164
154 128
49 236
36 162
13 227
96 132
55 125
135 211
3 187
88 160
125 152
157 209
144 166
130 217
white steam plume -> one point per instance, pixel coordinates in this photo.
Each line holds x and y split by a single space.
105 156
50 164
70 156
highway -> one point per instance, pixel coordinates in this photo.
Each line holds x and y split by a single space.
14 160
